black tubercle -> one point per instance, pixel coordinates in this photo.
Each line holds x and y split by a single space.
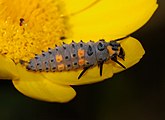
100 46
73 45
66 57
36 57
114 43
89 50
64 47
43 54
91 41
81 45
102 40
50 52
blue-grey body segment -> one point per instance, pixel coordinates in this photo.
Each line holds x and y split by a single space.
90 54
73 48
101 51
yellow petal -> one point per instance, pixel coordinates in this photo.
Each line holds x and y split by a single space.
108 19
133 50
36 86
71 77
133 53
7 68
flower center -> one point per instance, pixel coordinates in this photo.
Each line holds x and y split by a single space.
29 26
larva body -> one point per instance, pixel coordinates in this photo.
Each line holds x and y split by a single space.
76 55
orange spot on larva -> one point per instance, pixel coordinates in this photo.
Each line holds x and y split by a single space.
81 53
81 62
59 58
61 67
111 52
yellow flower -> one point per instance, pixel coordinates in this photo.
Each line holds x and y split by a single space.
29 26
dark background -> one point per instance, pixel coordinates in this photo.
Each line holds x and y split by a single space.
134 94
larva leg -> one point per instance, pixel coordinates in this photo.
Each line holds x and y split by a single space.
85 69
114 58
101 67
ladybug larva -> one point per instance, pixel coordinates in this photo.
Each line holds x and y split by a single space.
78 56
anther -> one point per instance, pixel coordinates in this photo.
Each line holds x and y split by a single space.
62 37
21 21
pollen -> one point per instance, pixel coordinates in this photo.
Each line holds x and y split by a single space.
30 26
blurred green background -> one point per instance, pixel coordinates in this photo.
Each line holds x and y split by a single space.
134 94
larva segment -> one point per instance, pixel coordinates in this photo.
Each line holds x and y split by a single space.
101 51
73 53
37 63
90 54
32 65
51 60
45 61
81 46
67 57
59 58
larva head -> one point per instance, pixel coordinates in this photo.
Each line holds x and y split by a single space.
115 48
